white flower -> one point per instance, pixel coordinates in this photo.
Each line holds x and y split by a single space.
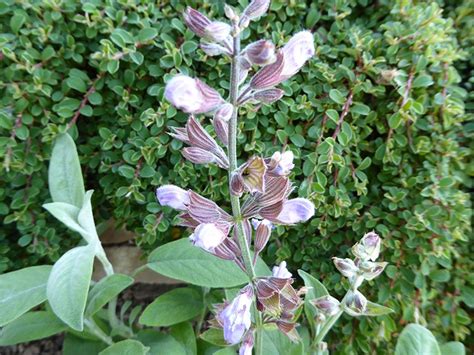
296 52
235 317
284 162
296 210
281 271
207 236
172 196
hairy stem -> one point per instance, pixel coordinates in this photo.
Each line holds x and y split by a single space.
235 201
328 325
99 333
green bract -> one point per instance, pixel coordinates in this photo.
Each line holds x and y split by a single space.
389 74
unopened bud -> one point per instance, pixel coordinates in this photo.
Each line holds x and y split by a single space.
368 248
356 303
198 156
256 9
213 49
345 266
217 31
262 235
196 21
230 12
221 127
268 96
371 270
261 52
328 305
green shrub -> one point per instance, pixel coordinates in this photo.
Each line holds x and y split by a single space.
385 73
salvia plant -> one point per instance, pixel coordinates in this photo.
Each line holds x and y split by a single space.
236 301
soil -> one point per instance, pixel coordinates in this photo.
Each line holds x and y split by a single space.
139 294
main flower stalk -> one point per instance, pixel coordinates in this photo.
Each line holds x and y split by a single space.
232 151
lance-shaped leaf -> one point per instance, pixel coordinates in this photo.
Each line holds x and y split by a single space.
65 175
22 290
416 339
68 285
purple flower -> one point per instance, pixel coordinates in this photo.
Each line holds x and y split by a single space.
281 271
247 344
282 163
173 196
235 317
191 95
296 210
296 52
262 234
207 236
268 96
355 304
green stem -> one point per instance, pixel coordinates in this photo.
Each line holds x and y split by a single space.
234 200
202 316
99 333
328 325
109 270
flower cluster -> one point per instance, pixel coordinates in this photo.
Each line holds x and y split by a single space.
363 267
262 182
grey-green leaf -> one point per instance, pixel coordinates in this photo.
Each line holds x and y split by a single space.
74 345
173 307
126 347
161 344
22 290
68 285
67 214
86 219
416 340
65 175
31 326
182 261
105 290
184 334
453 348
277 343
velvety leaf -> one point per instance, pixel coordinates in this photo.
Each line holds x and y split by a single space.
31 326
374 309
214 336
126 347
67 214
106 289
416 340
65 175
22 290
453 348
74 345
184 334
68 285
183 261
160 344
276 342
173 307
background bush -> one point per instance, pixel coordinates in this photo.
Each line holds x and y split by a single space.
394 73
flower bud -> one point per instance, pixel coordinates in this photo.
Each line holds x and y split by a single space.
213 49
191 95
230 12
328 305
173 196
198 156
262 234
261 52
371 270
269 75
224 112
236 185
355 304
346 267
207 236
236 317
281 271
296 52
296 210
221 127
256 9
368 248
196 21
268 96
217 31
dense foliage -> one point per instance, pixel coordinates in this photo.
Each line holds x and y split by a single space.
385 72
